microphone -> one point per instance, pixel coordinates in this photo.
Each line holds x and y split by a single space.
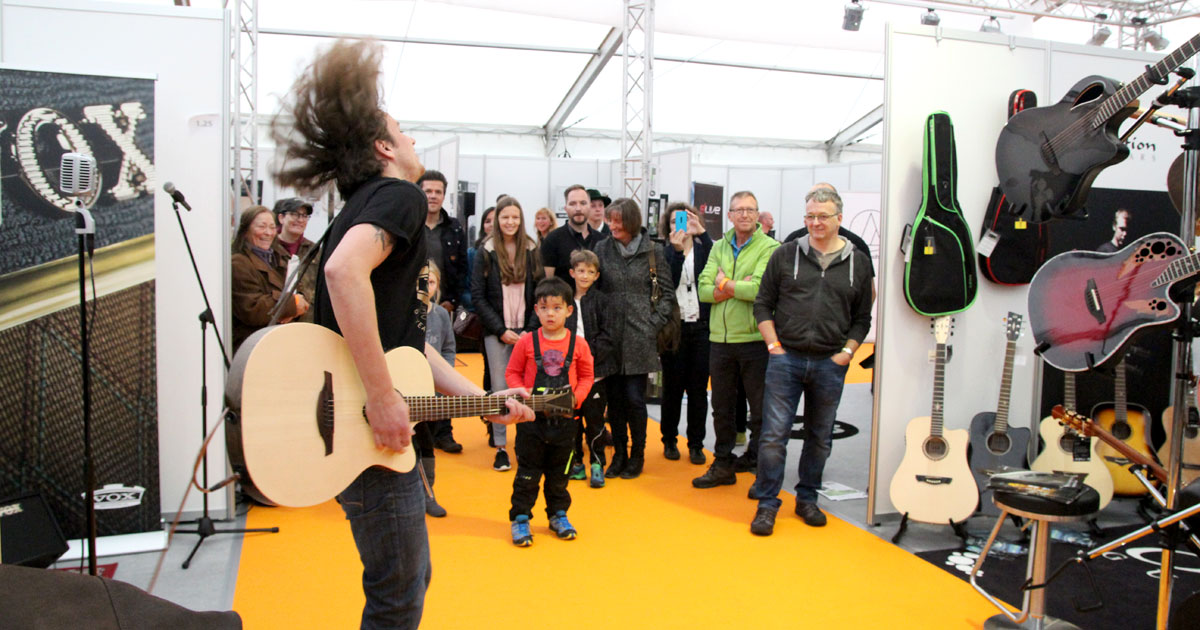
176 195
77 173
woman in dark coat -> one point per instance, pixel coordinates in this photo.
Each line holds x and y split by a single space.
686 369
258 276
507 267
635 322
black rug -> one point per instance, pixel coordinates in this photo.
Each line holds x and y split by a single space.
1127 579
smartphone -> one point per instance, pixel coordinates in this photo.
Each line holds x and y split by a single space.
681 220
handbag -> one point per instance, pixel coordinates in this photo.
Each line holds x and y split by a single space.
668 335
467 324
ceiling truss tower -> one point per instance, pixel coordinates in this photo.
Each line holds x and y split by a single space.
637 100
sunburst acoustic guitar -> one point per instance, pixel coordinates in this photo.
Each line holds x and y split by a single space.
1127 423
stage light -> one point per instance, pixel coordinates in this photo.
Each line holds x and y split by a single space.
853 17
1099 36
931 18
1156 40
991 25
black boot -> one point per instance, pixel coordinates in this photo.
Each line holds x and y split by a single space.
634 468
619 461
719 474
431 505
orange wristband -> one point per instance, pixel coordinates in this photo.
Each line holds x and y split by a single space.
296 299
721 287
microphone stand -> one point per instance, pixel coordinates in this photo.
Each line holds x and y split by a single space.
1188 98
85 227
204 525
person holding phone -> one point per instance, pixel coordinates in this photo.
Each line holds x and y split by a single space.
686 369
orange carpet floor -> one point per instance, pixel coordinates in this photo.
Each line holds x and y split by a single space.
651 553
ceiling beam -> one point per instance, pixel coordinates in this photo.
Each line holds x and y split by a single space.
584 81
852 132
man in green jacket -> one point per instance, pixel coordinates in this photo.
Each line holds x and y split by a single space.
730 281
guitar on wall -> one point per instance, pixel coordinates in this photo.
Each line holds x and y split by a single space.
1084 306
300 436
1061 442
1088 427
1190 469
1048 157
993 442
1126 423
933 483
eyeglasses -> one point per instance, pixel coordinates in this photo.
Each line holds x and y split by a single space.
299 214
742 210
820 217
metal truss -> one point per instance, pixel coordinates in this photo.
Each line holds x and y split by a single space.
1125 13
243 73
594 66
637 103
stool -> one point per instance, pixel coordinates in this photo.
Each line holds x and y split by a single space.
1042 512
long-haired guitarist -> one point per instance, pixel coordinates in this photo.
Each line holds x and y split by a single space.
370 288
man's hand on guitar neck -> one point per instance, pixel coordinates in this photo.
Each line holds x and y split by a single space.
517 411
388 417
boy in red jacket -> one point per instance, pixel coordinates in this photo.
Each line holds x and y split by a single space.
550 357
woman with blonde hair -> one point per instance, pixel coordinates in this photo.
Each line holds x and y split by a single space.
507 268
543 222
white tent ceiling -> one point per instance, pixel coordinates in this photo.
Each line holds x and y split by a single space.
441 83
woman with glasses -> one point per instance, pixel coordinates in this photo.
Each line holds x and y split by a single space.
290 246
257 279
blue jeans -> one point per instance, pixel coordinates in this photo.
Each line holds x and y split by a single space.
386 511
789 376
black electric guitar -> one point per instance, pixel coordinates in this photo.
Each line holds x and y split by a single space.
933 483
1048 157
299 434
993 442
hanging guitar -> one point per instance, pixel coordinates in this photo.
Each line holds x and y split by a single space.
1067 451
933 483
993 442
1048 157
1190 469
1084 306
1126 423
298 434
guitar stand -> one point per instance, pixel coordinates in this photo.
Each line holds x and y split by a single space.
960 530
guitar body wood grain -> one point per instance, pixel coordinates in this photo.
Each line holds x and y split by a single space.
1057 457
1131 432
1191 447
954 499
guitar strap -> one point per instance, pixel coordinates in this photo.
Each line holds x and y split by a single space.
544 381
939 269
1010 248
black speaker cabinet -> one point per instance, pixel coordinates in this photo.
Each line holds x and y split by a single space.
29 535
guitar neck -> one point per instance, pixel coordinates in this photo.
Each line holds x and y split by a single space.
1178 269
1153 75
939 390
1069 390
1001 424
1120 396
424 408
1088 427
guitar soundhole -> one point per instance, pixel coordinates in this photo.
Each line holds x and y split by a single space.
999 443
1121 431
935 447
1067 443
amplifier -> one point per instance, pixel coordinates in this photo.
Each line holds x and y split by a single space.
29 535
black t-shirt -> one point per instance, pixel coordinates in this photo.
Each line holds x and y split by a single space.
398 207
560 243
855 239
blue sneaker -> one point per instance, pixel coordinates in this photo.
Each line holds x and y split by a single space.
578 472
597 476
521 535
560 526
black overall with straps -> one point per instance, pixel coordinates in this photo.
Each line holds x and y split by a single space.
939 269
544 446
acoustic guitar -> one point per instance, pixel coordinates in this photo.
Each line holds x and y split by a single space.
1048 157
298 434
933 483
1058 454
993 442
1090 428
1084 306
1127 423
1190 469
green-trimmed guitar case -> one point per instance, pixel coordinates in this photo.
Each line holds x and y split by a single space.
939 267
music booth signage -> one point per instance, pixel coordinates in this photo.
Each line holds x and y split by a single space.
42 116
707 199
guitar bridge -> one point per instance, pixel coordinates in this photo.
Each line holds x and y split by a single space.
325 414
1094 305
934 481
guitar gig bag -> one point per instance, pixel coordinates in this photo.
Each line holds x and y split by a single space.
939 266
1019 247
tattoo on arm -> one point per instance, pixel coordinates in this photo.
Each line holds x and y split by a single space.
386 240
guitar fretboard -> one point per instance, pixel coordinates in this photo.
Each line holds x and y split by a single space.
423 408
1069 390
939 390
1120 396
1155 74
1001 425
1178 269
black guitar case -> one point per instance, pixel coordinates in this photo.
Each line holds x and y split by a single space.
1020 247
939 266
